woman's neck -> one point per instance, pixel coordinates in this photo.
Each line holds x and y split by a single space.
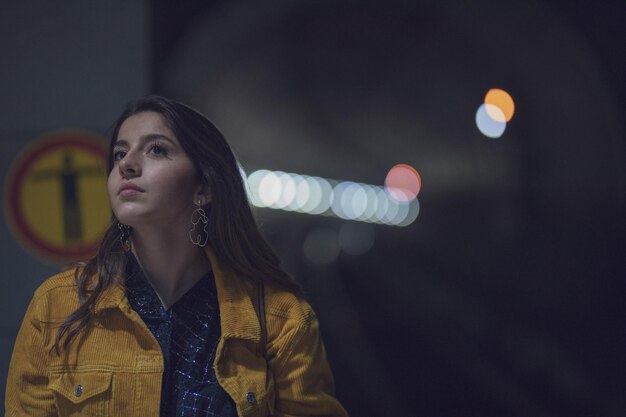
171 263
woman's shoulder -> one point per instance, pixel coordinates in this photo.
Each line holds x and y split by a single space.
285 304
57 285
55 297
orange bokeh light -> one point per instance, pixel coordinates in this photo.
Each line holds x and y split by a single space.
403 182
502 100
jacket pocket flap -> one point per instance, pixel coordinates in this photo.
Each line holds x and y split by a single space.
81 386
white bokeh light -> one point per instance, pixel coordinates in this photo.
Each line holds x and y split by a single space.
319 196
288 191
488 125
270 188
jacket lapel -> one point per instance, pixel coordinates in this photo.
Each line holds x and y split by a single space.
237 314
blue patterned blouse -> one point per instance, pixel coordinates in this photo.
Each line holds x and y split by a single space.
188 333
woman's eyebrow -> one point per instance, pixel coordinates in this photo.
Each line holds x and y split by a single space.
156 136
120 142
145 139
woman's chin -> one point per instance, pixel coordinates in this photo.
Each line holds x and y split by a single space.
131 219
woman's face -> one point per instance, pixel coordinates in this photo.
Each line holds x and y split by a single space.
153 180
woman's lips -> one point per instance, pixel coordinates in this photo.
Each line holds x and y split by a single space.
129 189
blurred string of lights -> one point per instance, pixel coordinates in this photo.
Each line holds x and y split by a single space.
393 204
496 111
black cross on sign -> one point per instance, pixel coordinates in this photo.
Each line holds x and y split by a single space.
69 175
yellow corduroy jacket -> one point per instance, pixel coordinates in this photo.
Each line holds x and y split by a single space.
115 367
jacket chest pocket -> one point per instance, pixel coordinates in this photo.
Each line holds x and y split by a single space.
82 393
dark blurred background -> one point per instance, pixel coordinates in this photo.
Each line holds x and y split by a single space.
505 296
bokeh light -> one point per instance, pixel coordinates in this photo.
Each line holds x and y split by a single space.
489 126
344 199
270 188
403 182
322 202
492 116
288 191
252 186
503 101
411 216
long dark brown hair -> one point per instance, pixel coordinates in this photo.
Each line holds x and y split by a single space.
233 233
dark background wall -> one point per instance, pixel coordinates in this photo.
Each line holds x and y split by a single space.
504 297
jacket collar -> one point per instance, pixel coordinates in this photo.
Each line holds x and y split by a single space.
234 293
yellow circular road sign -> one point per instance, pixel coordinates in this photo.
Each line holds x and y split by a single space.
55 196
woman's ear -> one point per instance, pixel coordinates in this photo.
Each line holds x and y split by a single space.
202 195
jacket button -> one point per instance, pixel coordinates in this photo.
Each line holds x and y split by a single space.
250 397
79 390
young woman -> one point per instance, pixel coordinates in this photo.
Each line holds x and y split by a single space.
185 310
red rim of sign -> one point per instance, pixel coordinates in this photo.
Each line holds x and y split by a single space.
73 139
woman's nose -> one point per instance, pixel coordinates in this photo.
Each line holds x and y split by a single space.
129 166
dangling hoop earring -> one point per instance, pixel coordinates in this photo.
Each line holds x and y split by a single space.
199 237
124 236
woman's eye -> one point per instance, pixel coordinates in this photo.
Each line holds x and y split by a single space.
117 155
158 150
